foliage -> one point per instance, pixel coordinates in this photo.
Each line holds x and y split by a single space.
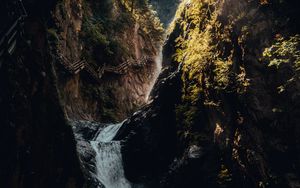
100 44
211 62
147 18
201 48
93 33
104 25
284 52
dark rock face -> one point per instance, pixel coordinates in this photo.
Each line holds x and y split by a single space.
236 124
38 147
246 126
149 136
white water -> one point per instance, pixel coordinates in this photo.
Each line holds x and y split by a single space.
109 163
156 72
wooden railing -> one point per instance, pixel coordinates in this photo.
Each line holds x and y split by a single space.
75 68
95 74
123 67
8 41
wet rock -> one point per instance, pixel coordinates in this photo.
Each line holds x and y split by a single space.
84 132
149 136
195 152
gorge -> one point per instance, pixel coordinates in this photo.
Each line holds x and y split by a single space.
150 94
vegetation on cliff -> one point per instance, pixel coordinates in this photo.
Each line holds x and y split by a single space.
225 113
106 34
105 22
240 72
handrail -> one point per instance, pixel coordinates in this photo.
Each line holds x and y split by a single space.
8 40
77 66
121 68
10 30
23 8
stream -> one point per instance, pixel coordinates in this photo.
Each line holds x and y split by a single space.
108 159
109 166
99 153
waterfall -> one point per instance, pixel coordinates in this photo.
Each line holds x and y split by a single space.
109 163
156 72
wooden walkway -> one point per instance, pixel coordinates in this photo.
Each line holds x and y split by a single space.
79 65
8 42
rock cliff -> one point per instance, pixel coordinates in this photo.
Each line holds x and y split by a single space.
236 123
224 112
105 34
38 146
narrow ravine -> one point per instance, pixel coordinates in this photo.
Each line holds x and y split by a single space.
108 159
88 98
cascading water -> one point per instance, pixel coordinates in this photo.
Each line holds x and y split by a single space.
109 163
156 72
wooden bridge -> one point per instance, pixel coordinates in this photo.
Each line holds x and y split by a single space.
74 67
123 67
8 41
71 67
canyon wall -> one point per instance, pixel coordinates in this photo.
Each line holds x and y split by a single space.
39 95
105 34
38 146
223 113
236 123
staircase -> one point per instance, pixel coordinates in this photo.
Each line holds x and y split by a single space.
8 41
73 68
123 67
96 74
